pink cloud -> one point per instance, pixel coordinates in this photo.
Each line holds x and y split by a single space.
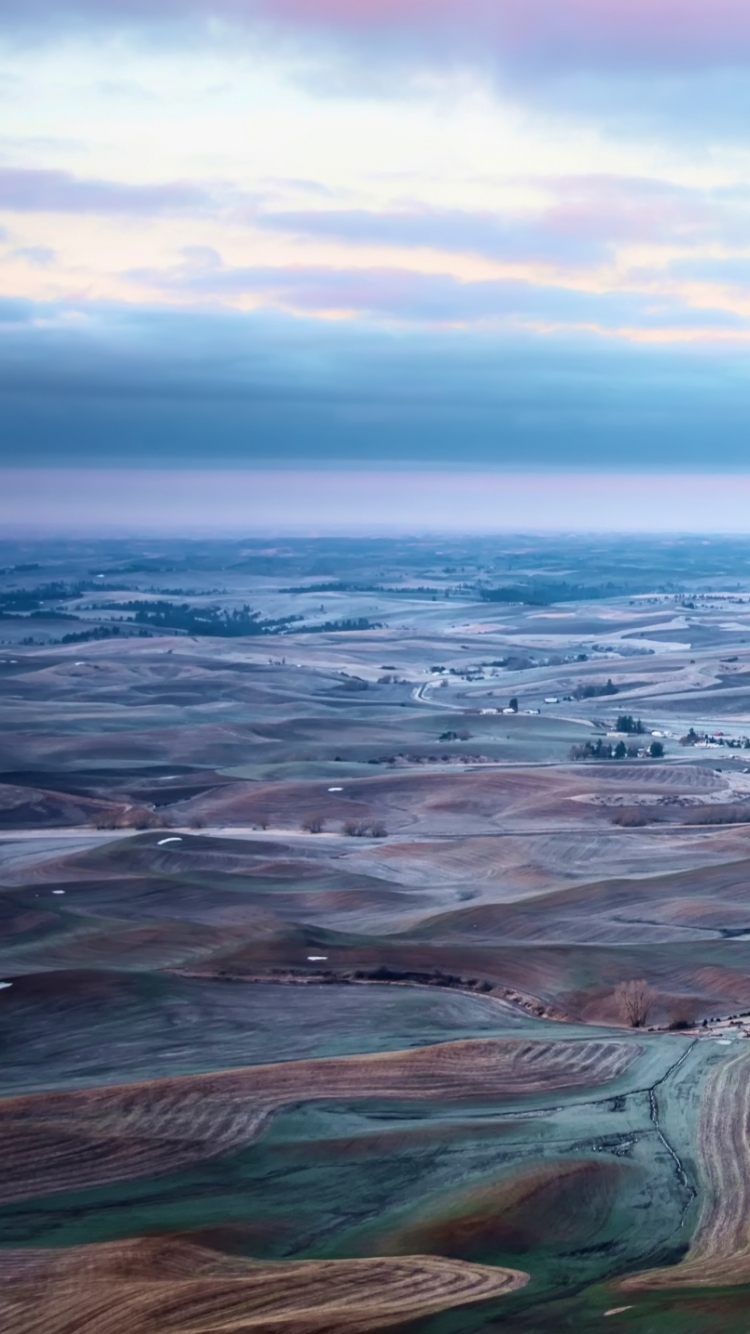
585 217
574 33
640 32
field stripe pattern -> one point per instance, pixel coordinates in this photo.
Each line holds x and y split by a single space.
720 1250
77 1139
172 1286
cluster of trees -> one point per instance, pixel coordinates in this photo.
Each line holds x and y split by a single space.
163 615
364 829
136 817
604 750
19 602
98 632
693 738
349 623
342 586
732 813
315 824
540 594
627 723
594 691
354 683
463 734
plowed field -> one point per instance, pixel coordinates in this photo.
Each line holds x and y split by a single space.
174 1287
78 1139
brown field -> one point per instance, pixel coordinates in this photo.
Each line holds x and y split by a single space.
552 1203
476 801
77 1139
506 869
720 1249
173 1286
35 808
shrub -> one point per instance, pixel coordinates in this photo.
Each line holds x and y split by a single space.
109 821
681 1014
313 824
364 829
732 813
142 819
630 818
138 817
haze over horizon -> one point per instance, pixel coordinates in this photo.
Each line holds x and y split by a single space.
274 234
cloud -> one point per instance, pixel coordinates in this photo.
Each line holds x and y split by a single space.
406 296
39 191
580 34
41 255
16 310
584 218
493 235
631 66
167 387
734 271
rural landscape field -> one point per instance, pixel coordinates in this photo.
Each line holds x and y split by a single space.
375 947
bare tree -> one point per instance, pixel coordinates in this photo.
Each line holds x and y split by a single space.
313 824
634 1001
364 828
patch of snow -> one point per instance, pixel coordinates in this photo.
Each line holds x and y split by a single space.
162 841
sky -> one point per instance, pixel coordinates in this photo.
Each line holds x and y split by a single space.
407 235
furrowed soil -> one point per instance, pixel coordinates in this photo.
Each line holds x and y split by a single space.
312 943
